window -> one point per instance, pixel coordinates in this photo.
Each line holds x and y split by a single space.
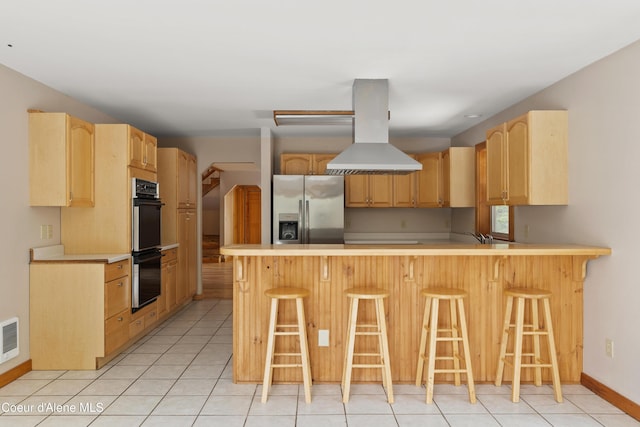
501 219
494 220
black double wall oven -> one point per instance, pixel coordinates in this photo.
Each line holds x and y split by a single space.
145 242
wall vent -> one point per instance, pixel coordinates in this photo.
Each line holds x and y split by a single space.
9 339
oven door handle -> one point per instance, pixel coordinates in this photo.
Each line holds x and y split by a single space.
144 257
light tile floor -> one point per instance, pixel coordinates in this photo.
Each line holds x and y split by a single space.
180 375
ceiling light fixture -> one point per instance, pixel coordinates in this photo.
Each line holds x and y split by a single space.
472 116
313 117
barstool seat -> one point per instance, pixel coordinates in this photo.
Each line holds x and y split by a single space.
533 329
457 334
378 329
275 329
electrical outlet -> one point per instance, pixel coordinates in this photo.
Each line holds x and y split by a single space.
323 338
46 231
608 347
526 231
403 224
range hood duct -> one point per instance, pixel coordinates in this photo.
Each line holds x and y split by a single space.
371 152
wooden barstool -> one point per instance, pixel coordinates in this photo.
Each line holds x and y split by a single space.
457 334
533 329
275 329
378 329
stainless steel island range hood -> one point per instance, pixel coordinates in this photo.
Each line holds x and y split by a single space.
371 152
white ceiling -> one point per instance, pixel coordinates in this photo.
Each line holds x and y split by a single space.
211 67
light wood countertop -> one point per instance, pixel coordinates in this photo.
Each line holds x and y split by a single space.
442 249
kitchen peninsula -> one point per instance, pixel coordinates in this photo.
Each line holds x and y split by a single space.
484 271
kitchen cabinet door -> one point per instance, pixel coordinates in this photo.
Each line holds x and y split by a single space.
405 189
296 164
304 163
187 180
187 261
430 181
319 163
142 150
368 191
496 165
356 191
380 191
61 160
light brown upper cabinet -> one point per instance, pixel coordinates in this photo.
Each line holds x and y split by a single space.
447 178
429 180
304 163
142 150
405 189
187 180
61 160
368 191
458 177
527 160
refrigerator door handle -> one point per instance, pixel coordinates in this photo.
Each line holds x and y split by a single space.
301 236
306 221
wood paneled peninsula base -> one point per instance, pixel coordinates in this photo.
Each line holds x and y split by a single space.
484 271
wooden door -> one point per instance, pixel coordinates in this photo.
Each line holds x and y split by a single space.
81 163
247 214
184 226
517 165
429 180
496 147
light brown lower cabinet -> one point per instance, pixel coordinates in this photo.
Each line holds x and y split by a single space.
80 314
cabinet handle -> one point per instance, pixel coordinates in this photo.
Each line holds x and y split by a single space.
121 284
70 196
120 319
120 266
139 322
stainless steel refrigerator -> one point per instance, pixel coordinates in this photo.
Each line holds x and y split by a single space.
308 209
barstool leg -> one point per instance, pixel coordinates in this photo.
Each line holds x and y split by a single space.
455 344
555 374
431 358
467 354
422 356
304 350
351 338
517 351
384 348
268 368
535 322
503 342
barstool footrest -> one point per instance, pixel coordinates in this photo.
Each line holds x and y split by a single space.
286 365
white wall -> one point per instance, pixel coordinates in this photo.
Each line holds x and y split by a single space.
603 101
20 223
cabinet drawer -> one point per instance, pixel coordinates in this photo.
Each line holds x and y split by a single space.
117 269
169 255
136 326
151 318
117 296
116 331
